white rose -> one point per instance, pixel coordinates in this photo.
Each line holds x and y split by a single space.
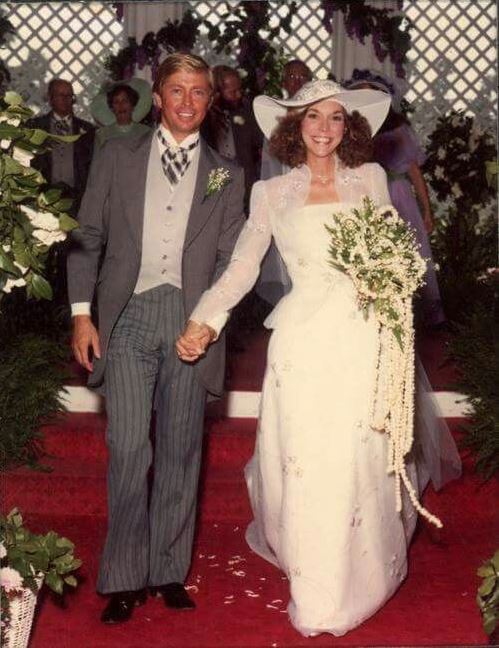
439 172
456 190
41 220
441 153
48 238
14 283
10 579
4 144
238 119
22 156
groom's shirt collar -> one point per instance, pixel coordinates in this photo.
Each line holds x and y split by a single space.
185 143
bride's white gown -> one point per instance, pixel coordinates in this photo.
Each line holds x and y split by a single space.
323 503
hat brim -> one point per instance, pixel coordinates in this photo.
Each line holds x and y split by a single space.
105 116
371 104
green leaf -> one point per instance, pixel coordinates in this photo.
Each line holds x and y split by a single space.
37 136
6 263
66 223
63 204
8 131
71 581
487 586
13 98
40 287
54 581
485 570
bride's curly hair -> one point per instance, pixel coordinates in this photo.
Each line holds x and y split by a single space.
356 147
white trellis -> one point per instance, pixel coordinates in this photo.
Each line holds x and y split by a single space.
60 39
452 64
308 41
453 60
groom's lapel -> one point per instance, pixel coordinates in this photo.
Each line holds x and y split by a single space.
133 176
202 205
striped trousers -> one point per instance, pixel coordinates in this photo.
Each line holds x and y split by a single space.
150 531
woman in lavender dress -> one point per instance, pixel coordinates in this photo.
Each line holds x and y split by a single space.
398 151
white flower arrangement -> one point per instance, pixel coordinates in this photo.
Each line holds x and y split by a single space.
217 180
379 253
33 218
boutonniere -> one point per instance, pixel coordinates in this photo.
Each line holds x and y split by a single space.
239 120
217 179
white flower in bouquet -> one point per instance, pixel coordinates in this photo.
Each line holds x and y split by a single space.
4 144
379 253
3 550
10 120
22 156
239 120
456 190
439 172
10 579
441 153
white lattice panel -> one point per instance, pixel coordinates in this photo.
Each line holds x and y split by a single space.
453 60
308 40
60 39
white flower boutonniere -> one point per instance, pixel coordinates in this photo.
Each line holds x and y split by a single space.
239 120
217 179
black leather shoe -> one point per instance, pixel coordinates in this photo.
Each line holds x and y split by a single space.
174 596
121 605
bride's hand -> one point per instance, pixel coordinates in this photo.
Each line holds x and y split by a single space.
194 341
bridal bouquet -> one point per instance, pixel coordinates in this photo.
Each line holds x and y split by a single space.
378 251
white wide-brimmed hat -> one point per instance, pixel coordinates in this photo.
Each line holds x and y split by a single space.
371 104
103 114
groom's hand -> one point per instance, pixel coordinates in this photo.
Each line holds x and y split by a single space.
85 337
194 341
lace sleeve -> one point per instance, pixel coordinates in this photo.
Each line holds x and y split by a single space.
244 266
379 186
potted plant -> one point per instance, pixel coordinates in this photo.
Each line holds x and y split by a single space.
27 561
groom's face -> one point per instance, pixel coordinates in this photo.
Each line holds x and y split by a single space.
184 99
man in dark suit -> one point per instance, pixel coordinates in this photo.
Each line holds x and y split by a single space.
236 134
168 210
67 164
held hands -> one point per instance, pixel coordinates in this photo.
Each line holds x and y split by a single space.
194 341
85 337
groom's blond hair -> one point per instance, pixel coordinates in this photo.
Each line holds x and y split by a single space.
180 61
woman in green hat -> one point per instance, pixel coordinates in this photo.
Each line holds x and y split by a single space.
120 110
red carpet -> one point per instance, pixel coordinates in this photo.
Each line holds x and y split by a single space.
241 599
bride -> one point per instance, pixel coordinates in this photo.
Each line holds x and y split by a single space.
324 504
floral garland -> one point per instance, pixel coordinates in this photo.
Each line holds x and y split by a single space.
32 218
173 36
379 253
389 31
456 165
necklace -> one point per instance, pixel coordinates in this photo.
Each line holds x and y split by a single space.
323 179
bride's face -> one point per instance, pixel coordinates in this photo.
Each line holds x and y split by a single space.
323 127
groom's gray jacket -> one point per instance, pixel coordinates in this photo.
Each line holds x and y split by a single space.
111 220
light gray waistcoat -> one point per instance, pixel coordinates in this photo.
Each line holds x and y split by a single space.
166 213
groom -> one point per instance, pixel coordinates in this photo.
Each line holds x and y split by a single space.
164 212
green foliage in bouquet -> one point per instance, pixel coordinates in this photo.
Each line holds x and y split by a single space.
475 347
32 216
488 594
26 556
32 376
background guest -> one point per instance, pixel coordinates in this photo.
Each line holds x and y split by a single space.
66 164
231 127
121 110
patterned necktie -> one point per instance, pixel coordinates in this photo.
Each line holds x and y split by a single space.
62 127
175 160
